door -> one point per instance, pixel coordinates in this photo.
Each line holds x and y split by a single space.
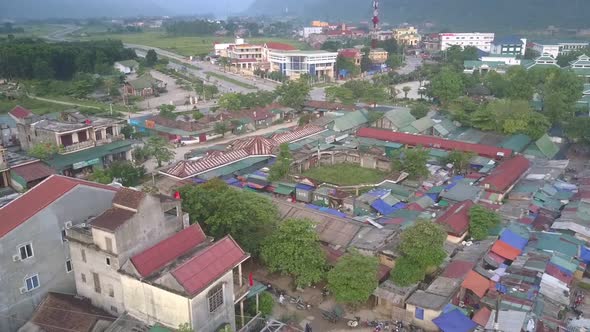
202 138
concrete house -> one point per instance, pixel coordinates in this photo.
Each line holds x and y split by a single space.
35 252
4 169
133 222
127 66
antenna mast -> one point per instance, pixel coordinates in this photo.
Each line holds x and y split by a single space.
374 34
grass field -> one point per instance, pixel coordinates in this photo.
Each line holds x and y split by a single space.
345 174
183 45
230 80
41 107
36 30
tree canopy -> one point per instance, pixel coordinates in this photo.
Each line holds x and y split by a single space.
248 217
354 278
294 249
238 101
151 58
446 86
293 93
510 117
412 161
159 148
282 164
481 221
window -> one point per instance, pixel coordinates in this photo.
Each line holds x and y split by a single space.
83 253
215 298
96 280
83 276
63 236
26 251
419 314
68 266
108 261
111 291
109 243
114 309
32 282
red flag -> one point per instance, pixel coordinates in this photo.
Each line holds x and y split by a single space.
251 279
177 195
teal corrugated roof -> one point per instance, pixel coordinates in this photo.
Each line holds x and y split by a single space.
400 117
60 162
350 120
516 142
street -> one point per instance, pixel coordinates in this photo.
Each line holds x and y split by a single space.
411 63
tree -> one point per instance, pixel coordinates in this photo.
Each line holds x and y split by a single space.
221 128
248 217
126 173
151 58
412 161
331 45
446 86
421 248
339 93
354 278
497 83
420 110
304 119
43 151
209 91
224 62
481 221
343 63
230 101
282 164
167 111
576 130
127 131
294 249
101 176
158 148
293 93
394 61
265 304
519 84
197 115
459 159
406 90
184 327
562 89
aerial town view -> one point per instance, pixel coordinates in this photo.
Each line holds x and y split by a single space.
294 165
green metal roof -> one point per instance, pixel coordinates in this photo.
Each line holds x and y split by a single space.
233 167
400 117
350 120
60 162
516 142
283 190
546 146
129 63
143 82
423 124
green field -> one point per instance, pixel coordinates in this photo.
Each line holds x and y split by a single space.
345 174
37 30
184 45
230 80
43 107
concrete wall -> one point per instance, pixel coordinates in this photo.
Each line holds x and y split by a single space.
50 253
426 323
153 304
203 321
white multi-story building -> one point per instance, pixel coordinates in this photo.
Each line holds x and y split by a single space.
307 31
245 56
556 49
509 45
482 41
295 63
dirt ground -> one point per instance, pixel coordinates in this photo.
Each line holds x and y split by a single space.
288 312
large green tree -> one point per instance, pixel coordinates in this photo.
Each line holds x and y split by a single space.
481 221
151 58
159 148
561 91
354 278
282 164
293 93
412 161
519 86
459 159
294 249
248 217
446 86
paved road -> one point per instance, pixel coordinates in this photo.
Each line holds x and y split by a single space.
61 34
410 64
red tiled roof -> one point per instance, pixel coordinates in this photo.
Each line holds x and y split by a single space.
414 207
383 272
349 53
129 198
456 218
555 272
112 218
482 316
20 112
458 269
30 203
33 171
209 265
280 46
477 283
432 142
166 251
505 250
328 105
505 175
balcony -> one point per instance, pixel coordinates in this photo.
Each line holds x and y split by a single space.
240 291
110 139
77 147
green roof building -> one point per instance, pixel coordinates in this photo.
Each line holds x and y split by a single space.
581 66
350 121
395 119
544 61
543 147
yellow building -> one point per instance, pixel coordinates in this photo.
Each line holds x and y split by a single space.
406 36
320 24
378 55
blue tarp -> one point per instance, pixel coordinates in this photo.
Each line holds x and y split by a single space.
454 321
382 207
585 254
304 187
513 239
433 196
231 180
311 206
378 192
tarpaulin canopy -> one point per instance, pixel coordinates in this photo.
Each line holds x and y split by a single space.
382 207
454 321
585 254
513 239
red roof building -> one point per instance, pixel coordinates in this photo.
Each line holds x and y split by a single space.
477 283
433 142
505 250
33 172
209 265
505 176
279 46
168 250
33 201
458 269
20 112
349 53
456 218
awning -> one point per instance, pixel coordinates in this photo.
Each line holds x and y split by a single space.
284 190
454 321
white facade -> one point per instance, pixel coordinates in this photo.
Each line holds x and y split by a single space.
508 60
482 41
311 30
556 49
551 49
221 49
295 63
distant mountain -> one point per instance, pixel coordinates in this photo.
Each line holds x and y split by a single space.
40 9
454 14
